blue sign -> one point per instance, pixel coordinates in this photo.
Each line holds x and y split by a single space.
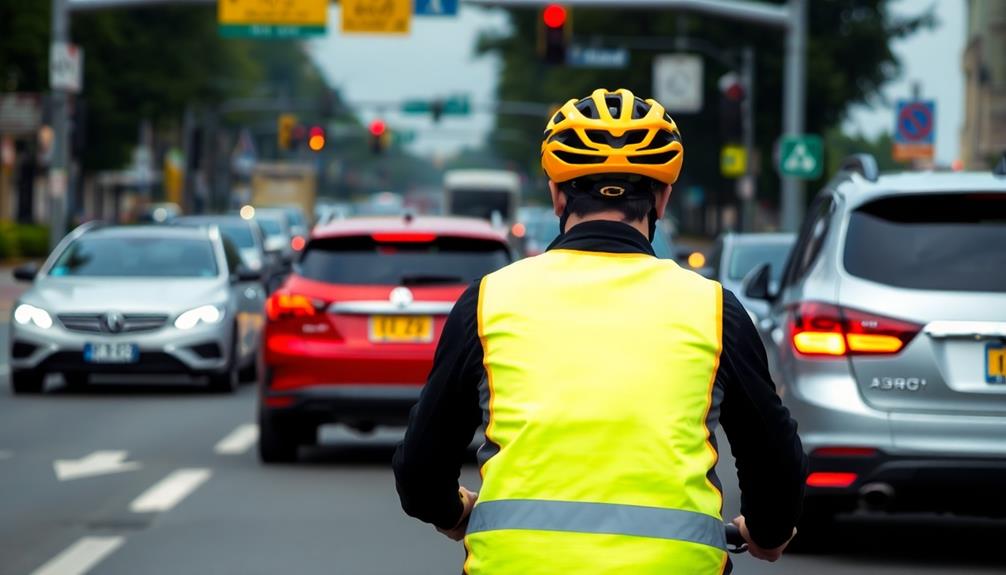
593 57
916 121
436 7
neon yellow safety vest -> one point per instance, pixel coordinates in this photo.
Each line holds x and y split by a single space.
599 403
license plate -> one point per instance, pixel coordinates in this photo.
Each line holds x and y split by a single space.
401 328
995 363
111 353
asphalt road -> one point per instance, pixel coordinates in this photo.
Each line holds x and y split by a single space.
189 496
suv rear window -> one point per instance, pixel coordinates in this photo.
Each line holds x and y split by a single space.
954 242
363 261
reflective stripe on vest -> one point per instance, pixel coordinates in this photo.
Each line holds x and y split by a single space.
599 400
614 519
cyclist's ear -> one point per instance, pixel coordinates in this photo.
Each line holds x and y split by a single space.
660 201
558 198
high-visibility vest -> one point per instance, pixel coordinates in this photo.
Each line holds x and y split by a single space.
599 404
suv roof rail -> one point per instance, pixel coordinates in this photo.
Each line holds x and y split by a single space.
1000 169
863 164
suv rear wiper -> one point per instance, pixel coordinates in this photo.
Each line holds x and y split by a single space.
429 279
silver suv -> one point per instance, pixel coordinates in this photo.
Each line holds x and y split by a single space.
887 338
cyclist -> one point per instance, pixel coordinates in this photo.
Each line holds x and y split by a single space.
600 374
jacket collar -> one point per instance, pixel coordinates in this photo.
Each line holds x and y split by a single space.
603 236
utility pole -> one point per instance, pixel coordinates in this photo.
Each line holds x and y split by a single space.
747 183
792 18
59 166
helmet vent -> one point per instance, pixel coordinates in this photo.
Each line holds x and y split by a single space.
640 109
570 138
571 158
654 158
614 104
661 139
606 138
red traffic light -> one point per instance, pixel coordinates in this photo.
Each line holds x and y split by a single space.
554 16
316 131
377 128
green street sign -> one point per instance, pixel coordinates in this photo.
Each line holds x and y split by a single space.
416 107
270 31
457 106
801 156
403 137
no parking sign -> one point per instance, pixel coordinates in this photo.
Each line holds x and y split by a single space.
914 130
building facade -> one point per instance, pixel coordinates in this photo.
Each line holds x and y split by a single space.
983 137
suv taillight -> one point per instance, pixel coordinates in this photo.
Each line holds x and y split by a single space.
825 330
284 304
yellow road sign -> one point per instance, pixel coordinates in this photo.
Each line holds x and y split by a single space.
733 161
286 13
376 16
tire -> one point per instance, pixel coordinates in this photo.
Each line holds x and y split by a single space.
229 380
26 381
249 373
277 443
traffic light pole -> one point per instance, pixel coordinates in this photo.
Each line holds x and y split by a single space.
792 18
59 165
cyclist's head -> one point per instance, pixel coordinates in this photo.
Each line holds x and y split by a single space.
612 151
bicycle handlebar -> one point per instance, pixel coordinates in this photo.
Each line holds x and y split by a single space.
735 541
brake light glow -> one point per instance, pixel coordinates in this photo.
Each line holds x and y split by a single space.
403 238
297 243
830 479
518 230
281 305
825 330
844 452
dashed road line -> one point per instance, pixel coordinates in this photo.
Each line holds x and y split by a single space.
80 557
238 441
170 491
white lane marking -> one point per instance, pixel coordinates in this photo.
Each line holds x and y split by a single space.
80 557
97 463
170 491
238 441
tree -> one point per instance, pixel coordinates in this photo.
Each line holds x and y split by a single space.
849 61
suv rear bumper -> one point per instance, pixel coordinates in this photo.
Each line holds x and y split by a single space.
362 406
972 486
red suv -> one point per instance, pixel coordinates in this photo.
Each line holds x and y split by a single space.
349 337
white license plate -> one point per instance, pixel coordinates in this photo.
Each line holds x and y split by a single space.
111 353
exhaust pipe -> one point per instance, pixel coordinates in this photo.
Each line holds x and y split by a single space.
877 496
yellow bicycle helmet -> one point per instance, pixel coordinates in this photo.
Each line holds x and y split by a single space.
609 133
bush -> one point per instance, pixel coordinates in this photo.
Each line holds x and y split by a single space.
23 241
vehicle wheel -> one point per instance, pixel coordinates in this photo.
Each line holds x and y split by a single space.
76 381
228 381
24 381
249 373
277 443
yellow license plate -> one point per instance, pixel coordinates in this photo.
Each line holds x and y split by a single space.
995 363
401 328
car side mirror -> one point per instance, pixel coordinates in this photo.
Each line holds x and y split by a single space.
246 274
757 284
26 272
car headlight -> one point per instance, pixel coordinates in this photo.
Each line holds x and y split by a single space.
203 314
25 314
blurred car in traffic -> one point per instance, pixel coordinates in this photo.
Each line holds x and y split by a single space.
246 235
160 213
889 337
137 300
350 335
325 212
279 236
539 227
733 256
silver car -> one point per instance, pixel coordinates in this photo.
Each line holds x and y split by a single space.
733 256
889 342
137 300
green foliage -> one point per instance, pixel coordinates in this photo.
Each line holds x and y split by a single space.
838 146
849 60
23 241
24 46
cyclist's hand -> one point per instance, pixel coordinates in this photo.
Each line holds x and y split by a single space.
770 555
468 499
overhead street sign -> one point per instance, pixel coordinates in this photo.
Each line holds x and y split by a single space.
592 57
66 67
914 130
801 156
677 82
376 16
272 19
436 8
733 161
20 113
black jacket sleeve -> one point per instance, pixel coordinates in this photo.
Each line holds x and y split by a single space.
428 461
771 465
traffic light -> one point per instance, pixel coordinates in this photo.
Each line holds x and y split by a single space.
555 32
731 102
378 133
316 139
284 129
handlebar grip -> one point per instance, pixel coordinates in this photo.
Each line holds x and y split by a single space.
735 541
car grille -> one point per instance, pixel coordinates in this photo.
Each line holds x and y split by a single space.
98 322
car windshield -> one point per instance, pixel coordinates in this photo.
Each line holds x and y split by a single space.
481 203
361 260
949 242
744 258
151 256
295 217
237 231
